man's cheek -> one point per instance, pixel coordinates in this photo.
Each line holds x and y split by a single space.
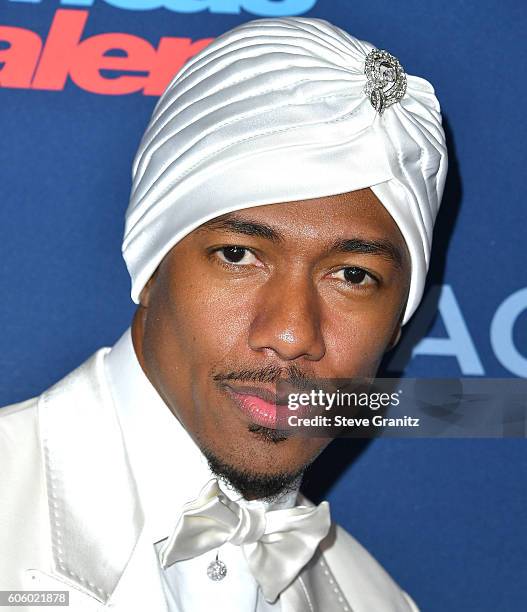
226 324
355 353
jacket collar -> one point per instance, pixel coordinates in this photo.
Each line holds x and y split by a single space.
157 444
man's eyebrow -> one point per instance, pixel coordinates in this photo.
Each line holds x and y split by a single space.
230 223
385 248
233 224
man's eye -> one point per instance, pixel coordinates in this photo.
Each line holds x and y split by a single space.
354 276
236 255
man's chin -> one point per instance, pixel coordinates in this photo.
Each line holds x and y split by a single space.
250 482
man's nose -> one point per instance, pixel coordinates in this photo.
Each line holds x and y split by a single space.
287 320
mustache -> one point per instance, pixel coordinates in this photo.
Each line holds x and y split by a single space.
268 374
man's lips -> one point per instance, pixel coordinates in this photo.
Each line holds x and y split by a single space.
267 395
257 403
260 404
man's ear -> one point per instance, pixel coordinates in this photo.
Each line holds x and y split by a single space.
396 336
144 296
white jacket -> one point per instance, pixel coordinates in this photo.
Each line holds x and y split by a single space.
70 518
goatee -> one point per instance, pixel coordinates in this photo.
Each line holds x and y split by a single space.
254 485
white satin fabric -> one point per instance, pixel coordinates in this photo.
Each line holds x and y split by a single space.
275 111
277 544
170 472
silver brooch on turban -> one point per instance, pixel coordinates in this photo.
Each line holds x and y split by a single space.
386 79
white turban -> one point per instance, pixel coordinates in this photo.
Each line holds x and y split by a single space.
275 110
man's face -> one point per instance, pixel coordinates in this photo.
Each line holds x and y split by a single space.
314 288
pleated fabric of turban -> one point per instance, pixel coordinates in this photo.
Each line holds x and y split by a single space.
276 110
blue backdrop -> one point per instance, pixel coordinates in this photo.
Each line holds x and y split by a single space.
78 81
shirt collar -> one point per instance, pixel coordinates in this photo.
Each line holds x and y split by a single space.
169 468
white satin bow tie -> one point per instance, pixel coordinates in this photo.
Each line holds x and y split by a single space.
277 544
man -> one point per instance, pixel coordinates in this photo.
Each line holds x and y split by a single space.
279 226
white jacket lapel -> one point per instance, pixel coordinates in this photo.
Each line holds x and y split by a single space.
95 517
315 589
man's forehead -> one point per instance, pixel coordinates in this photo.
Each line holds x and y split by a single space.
359 212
